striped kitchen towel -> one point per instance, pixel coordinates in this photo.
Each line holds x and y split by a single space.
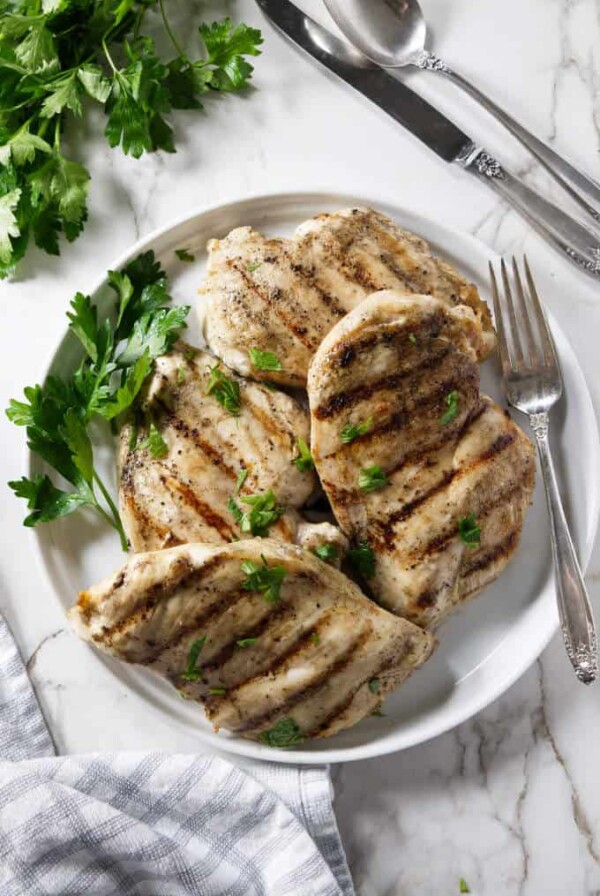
153 824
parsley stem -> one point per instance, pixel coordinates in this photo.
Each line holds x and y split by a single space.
108 56
116 519
169 30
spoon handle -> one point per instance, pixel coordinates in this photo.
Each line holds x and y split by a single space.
583 189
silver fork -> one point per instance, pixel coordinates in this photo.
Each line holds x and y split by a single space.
533 384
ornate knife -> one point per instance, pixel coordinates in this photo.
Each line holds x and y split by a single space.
440 134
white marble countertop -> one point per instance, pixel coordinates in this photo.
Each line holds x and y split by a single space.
511 799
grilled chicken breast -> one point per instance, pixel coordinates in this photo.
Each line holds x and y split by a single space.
184 494
283 296
408 450
315 657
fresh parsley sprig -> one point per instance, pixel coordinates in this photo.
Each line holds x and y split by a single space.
192 671
350 432
326 552
59 57
362 558
119 351
284 733
371 479
262 513
469 531
266 580
305 461
225 389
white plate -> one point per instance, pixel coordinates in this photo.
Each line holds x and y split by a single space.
485 646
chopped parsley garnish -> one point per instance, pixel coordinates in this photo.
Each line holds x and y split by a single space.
181 376
264 360
451 408
353 431
326 552
469 531
264 511
192 673
190 354
412 338
185 255
265 579
253 266
362 559
225 390
242 476
374 685
378 714
61 417
246 642
155 443
463 886
371 479
285 733
315 638
217 691
304 461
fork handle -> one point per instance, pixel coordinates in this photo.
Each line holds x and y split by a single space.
582 188
564 232
575 612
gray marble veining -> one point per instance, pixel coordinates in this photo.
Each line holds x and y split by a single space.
511 799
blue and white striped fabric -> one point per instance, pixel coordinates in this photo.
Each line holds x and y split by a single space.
152 824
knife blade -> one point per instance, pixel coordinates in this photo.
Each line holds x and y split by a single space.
434 129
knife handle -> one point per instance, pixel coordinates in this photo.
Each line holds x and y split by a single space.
565 233
582 188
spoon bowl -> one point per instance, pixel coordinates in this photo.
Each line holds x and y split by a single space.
389 32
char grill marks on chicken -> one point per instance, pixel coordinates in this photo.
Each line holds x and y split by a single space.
284 296
314 652
429 457
183 490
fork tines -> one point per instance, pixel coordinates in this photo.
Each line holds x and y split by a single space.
523 332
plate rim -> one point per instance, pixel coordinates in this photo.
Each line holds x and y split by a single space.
377 746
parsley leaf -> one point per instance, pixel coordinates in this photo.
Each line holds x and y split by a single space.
315 638
246 642
192 672
351 432
185 255
242 476
264 511
264 360
452 408
155 443
370 479
285 733
253 266
225 390
374 685
304 461
463 886
469 531
362 559
46 502
265 579
326 552
226 47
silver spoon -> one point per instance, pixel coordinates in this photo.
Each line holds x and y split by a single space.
392 34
